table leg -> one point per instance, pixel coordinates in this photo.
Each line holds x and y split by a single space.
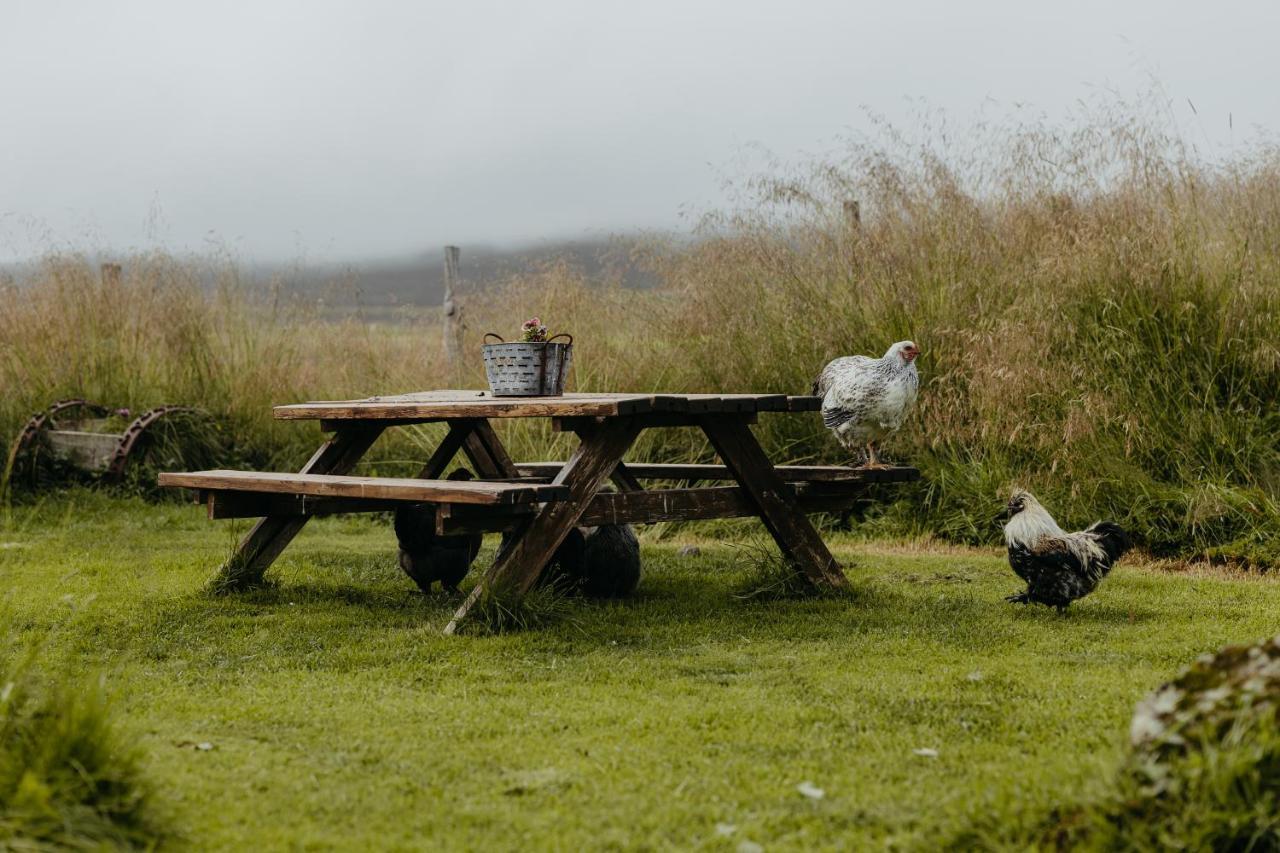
534 544
487 453
796 537
621 477
263 544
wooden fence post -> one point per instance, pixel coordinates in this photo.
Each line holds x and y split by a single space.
452 331
853 213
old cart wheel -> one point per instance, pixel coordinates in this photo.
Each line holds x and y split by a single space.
23 463
166 438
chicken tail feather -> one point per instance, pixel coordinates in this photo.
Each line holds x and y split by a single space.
1112 537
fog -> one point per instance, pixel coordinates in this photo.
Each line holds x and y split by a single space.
312 131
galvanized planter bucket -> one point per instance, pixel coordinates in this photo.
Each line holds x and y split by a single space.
520 369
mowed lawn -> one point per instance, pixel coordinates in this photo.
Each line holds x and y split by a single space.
684 718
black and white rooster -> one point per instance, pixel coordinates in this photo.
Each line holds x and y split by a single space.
1058 567
865 399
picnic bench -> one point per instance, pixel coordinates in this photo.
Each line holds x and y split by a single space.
539 503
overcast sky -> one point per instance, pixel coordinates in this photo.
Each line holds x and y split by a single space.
312 130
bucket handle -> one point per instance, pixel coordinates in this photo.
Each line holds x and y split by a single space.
488 335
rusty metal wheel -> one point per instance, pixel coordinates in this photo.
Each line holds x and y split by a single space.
135 436
25 448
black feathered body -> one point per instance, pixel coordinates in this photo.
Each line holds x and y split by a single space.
599 562
428 558
1058 567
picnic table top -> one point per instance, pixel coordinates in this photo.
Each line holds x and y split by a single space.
482 404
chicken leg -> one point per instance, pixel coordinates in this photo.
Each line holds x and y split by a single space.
872 461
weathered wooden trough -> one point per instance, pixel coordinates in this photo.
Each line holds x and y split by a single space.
79 435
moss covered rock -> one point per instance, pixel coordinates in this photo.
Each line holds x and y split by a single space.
1238 685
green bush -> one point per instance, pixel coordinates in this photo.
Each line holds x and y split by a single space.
1202 771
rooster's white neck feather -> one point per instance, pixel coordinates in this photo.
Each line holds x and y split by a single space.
1030 525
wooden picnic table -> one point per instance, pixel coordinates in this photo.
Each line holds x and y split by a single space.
540 503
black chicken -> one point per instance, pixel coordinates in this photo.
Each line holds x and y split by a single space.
598 562
427 557
1058 567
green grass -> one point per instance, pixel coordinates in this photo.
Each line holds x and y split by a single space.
340 717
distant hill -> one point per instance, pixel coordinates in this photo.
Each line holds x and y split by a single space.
419 279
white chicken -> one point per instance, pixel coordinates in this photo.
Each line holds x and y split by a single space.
865 399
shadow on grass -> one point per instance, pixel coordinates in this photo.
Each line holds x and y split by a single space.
379 597
1090 613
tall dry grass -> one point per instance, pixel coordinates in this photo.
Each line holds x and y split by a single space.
1098 309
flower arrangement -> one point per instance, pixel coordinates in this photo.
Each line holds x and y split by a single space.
533 331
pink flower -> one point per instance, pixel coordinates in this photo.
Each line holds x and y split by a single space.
534 331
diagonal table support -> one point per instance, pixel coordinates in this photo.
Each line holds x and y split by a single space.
263 544
487 453
453 441
796 537
533 545
477 439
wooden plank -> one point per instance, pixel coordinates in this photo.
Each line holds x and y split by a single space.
487 453
484 463
645 507
379 488
474 519
652 420
628 507
430 406
704 504
92 451
806 403
796 538
222 505
659 505
712 403
260 547
788 473
519 565
441 405
703 403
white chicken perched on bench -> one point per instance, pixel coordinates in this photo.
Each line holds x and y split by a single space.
865 399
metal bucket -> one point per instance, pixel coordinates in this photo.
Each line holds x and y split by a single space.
520 369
